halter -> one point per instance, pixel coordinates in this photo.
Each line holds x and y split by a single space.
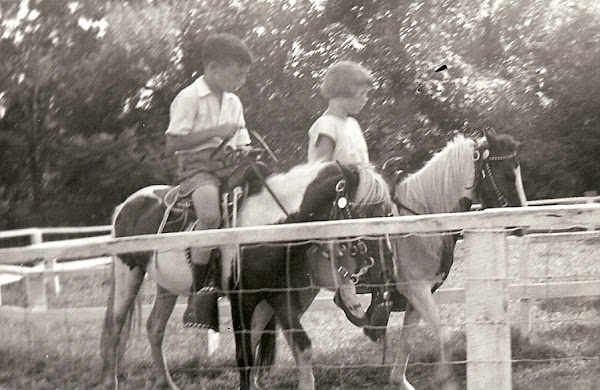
482 166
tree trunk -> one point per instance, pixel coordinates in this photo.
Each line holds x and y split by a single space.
34 157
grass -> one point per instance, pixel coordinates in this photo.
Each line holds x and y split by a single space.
562 352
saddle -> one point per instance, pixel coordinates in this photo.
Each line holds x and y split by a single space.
245 180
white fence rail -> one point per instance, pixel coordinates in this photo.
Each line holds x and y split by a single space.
36 275
487 290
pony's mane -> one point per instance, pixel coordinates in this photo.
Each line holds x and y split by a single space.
297 172
372 189
442 181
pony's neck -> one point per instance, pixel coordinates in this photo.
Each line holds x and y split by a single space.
289 188
439 186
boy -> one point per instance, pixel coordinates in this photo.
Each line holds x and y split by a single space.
202 115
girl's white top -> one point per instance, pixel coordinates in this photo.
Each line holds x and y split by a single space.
350 145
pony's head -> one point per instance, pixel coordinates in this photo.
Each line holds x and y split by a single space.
498 180
464 172
346 192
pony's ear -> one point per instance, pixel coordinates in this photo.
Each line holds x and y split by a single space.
490 135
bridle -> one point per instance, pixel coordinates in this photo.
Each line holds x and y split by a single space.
484 177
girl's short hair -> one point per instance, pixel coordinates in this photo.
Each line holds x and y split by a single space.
226 48
344 78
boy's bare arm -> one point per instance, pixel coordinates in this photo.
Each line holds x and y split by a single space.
191 140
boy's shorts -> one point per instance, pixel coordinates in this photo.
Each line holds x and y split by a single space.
198 180
199 169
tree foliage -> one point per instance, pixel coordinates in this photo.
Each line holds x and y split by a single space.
85 88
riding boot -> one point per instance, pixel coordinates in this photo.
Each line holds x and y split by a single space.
202 310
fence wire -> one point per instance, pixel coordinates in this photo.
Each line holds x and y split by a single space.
563 341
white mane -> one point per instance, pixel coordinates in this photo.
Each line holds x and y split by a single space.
439 185
372 189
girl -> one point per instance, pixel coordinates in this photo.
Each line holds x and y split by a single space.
336 135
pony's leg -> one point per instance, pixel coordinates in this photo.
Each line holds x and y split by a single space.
398 374
125 286
263 313
260 318
420 297
242 308
296 338
156 325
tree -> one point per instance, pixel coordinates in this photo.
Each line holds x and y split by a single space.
87 85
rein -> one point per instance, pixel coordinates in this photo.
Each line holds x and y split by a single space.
254 168
403 206
268 188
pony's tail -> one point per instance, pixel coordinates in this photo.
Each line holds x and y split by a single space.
133 321
108 325
265 354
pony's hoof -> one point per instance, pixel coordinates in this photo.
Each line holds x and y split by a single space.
402 384
354 314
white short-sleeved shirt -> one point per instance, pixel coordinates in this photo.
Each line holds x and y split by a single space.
196 107
350 145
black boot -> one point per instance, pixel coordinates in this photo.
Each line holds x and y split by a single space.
202 310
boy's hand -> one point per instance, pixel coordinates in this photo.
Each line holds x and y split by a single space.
245 149
228 130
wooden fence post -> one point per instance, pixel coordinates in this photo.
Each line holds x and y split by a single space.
524 314
35 283
36 291
50 265
486 307
36 236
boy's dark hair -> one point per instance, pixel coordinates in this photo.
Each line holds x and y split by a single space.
225 48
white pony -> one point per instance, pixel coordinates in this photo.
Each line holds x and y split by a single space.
465 171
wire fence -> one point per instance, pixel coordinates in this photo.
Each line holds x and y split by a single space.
562 342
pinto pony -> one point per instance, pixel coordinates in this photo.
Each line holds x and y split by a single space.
465 171
306 193
276 284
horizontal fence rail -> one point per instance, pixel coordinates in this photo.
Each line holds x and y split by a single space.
547 217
